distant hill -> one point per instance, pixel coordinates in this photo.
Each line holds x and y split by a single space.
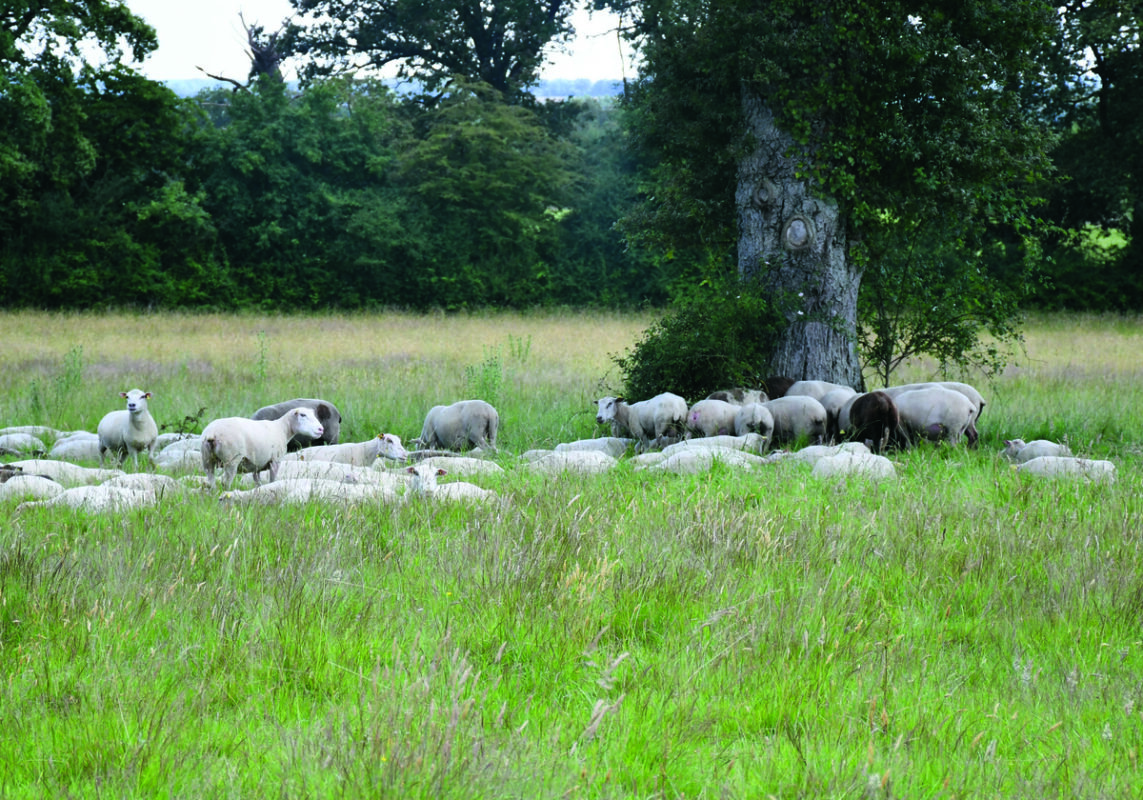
552 90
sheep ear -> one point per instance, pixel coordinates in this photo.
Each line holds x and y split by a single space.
147 395
123 394
440 472
411 470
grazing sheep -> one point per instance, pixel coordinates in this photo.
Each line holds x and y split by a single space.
871 417
1068 466
864 465
934 413
360 454
664 414
129 431
1020 451
29 487
833 401
754 418
712 418
69 475
251 445
581 461
739 396
326 412
463 424
82 446
614 446
18 444
424 484
797 417
776 386
969 392
814 389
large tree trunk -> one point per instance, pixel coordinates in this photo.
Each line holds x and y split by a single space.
797 243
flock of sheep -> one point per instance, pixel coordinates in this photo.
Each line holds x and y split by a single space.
296 443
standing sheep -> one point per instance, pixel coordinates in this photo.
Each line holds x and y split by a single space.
646 420
464 423
712 418
934 413
326 412
754 418
128 431
739 396
797 417
235 443
871 417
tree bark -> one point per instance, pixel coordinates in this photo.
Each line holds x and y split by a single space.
796 242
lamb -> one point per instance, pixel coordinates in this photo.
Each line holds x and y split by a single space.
816 452
359 454
253 445
662 415
614 446
712 418
424 484
129 431
935 413
464 423
1066 466
797 417
1020 451
739 396
871 417
754 418
326 413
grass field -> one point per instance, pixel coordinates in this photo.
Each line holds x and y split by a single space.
959 633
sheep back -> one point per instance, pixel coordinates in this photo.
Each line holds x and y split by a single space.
327 415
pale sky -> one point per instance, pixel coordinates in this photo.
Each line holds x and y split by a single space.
208 34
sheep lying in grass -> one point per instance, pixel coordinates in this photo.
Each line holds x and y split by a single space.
360 454
614 446
129 431
424 484
1068 467
29 487
95 499
237 443
1020 451
585 462
296 491
648 420
465 423
701 459
67 474
864 465
21 444
78 446
463 465
816 452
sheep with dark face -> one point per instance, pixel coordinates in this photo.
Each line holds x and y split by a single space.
326 412
739 396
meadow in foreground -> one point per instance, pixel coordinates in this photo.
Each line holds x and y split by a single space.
958 633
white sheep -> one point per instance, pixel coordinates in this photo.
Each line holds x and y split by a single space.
585 462
816 452
712 418
360 454
935 413
1020 451
305 490
79 446
614 446
65 473
129 431
29 487
166 440
754 418
751 442
701 459
159 485
739 396
797 417
95 499
465 423
968 391
463 465
1068 466
814 389
845 463
39 431
253 445
424 484
18 444
662 415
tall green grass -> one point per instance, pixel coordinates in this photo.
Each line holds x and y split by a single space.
958 633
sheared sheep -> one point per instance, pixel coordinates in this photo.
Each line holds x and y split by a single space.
81 446
581 461
712 418
662 415
129 431
1020 451
797 417
29 487
614 446
814 389
463 424
739 396
865 465
934 413
305 490
95 499
424 484
18 444
1068 466
360 454
62 472
325 411
235 443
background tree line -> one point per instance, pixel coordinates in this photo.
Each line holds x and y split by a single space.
469 192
